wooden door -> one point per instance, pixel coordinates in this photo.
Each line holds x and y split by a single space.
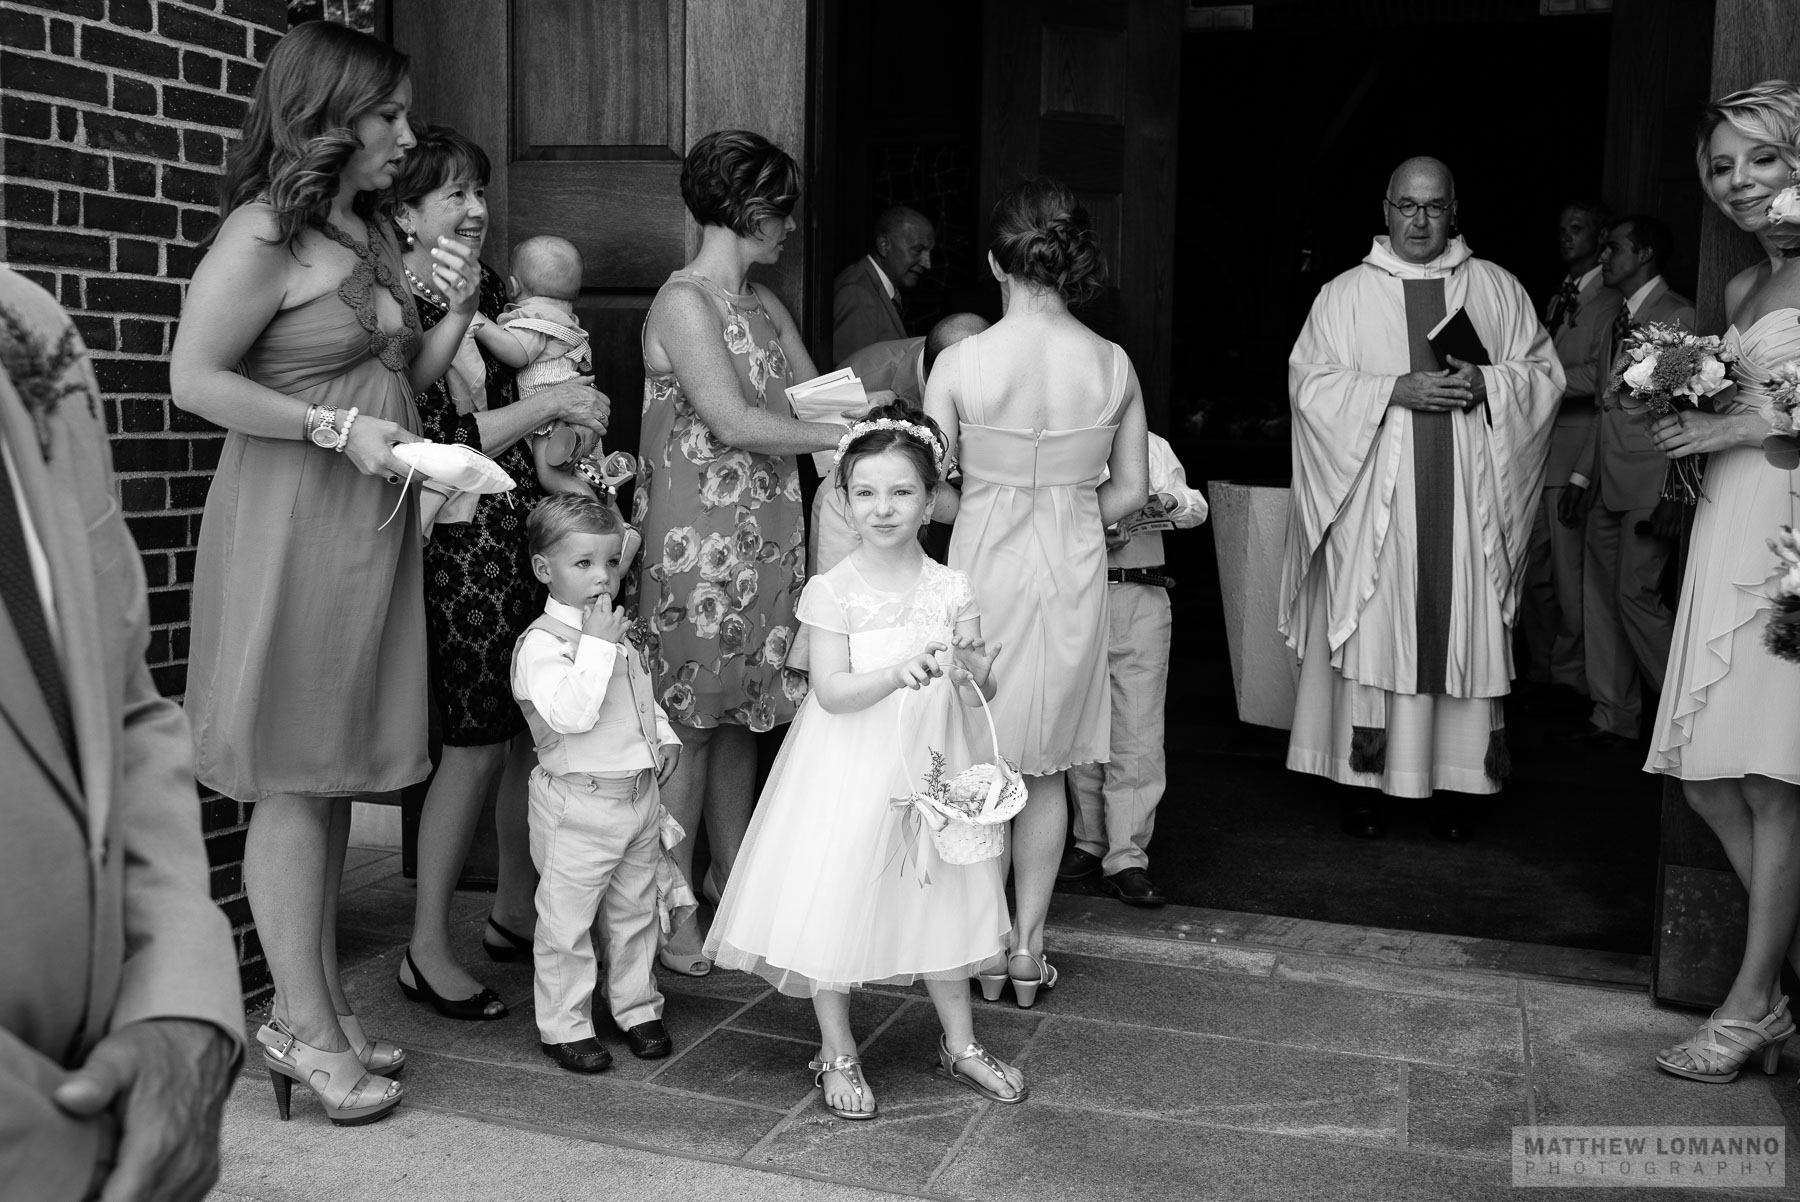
586 110
1088 91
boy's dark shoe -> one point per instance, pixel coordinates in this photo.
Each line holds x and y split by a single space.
582 1056
650 1041
1134 887
1077 865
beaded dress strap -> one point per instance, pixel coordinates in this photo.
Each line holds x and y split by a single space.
358 294
735 300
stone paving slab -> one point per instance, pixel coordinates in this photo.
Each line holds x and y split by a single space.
1352 1064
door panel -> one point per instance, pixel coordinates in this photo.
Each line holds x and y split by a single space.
1087 91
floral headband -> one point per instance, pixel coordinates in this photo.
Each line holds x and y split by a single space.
911 429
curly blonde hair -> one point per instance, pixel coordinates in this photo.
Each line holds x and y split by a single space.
1767 112
300 128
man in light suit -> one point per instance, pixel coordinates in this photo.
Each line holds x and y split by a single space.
866 305
120 1013
1617 483
1579 318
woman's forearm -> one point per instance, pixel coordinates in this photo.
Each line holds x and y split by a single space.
227 399
1118 500
502 427
763 433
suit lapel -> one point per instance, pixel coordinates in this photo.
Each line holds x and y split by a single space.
881 293
53 497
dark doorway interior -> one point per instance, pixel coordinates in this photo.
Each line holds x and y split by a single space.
1287 135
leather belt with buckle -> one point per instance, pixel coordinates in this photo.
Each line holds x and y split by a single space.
1154 577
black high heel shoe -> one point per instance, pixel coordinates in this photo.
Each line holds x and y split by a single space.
516 947
483 1007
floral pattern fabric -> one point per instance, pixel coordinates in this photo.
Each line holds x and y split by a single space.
724 542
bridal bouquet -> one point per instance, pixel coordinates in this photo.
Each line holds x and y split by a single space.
1782 446
1666 369
1782 635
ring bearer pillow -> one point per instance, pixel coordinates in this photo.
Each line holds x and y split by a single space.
455 477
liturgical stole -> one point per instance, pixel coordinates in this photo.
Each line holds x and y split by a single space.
1434 492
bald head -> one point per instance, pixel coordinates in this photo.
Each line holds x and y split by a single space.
904 241
1425 186
547 266
948 332
1421 171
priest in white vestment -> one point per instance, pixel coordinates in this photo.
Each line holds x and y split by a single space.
1415 484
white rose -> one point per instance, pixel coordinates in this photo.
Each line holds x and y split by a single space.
1786 205
1638 375
1790 583
1709 379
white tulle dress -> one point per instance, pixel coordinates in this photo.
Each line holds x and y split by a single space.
826 891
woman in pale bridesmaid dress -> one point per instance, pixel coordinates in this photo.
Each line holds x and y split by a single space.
1725 727
306 685
1047 421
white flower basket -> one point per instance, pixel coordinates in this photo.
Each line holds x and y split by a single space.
990 793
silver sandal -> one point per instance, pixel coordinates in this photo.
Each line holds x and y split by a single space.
850 1069
947 1065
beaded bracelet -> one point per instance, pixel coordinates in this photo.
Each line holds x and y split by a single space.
344 434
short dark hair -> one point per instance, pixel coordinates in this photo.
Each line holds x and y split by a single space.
1651 234
442 155
1596 209
1041 235
738 179
874 442
556 517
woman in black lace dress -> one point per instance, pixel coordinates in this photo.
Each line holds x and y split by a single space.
479 595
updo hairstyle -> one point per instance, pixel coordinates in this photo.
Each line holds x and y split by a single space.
442 156
1042 236
875 442
299 130
1766 112
738 179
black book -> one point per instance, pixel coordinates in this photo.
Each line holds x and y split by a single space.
1455 335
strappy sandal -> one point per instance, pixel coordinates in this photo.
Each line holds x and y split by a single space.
381 1056
350 1095
485 1006
1721 1047
850 1069
1025 991
947 1065
516 947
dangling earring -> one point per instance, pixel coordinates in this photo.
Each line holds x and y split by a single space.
407 239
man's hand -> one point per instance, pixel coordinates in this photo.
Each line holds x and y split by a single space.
1432 391
1573 505
165 1079
1471 376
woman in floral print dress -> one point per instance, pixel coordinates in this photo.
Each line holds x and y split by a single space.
718 496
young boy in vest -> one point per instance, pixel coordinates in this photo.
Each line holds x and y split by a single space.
603 747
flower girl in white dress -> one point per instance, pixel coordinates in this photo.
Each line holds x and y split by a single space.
829 890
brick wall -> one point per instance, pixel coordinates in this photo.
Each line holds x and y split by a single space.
114 116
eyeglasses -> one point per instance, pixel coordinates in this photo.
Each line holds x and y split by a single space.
1410 208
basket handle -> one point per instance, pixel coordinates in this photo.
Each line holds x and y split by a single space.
999 784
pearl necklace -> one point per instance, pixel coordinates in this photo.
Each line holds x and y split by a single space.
425 290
